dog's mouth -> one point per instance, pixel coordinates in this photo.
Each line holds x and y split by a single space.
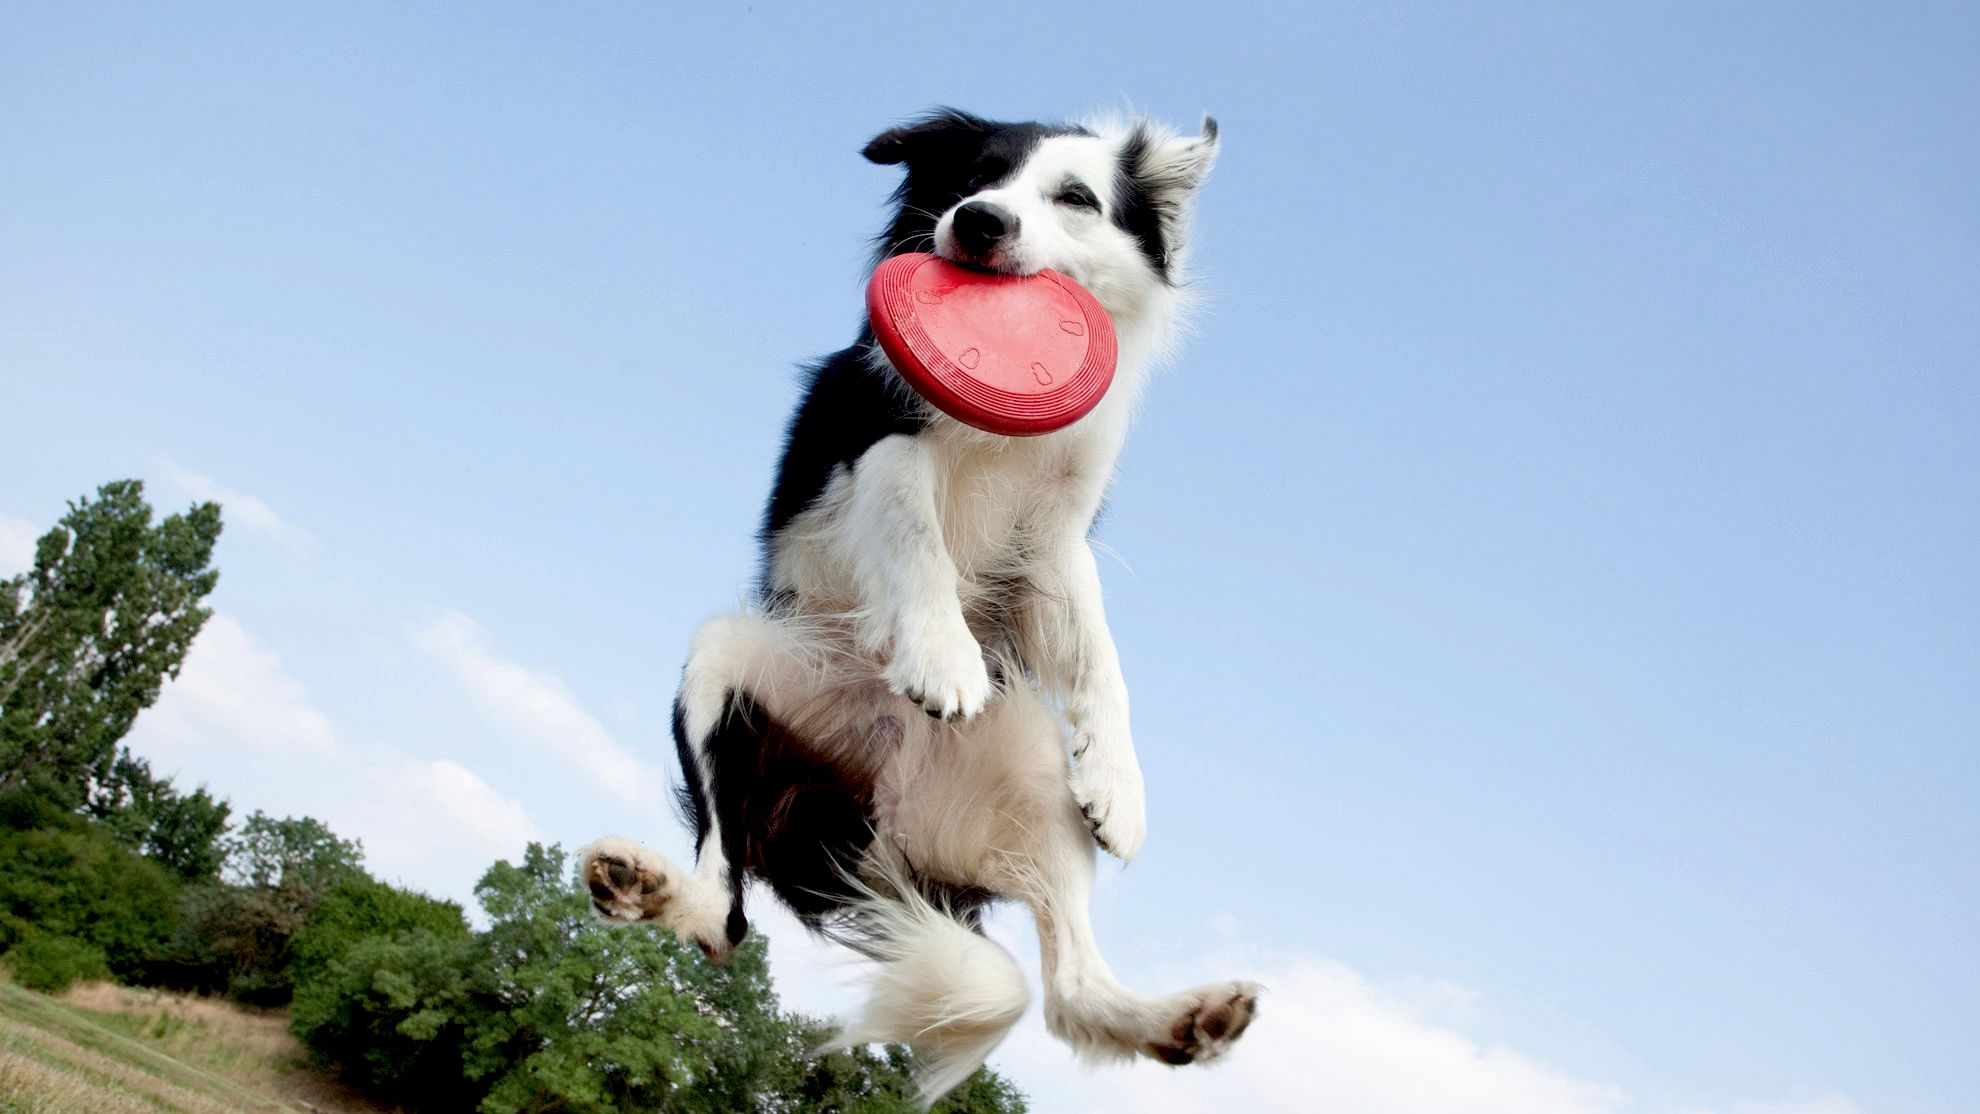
995 263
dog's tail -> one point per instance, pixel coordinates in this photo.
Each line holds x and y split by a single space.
941 988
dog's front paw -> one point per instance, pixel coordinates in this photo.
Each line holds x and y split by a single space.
938 665
1106 781
630 883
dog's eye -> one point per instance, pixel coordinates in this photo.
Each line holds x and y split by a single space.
1079 197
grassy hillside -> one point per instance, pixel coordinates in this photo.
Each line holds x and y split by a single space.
116 1050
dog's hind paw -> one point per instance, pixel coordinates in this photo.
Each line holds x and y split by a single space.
1106 781
1212 1020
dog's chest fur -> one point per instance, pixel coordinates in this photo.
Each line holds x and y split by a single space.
1001 502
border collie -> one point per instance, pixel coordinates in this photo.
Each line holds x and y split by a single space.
913 564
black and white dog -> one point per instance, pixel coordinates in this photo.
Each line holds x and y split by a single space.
913 564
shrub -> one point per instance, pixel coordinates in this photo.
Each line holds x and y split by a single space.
51 964
392 1014
77 882
357 907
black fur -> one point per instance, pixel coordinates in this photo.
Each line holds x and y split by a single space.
1134 211
1150 209
687 795
848 405
788 815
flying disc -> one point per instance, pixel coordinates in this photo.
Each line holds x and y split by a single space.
1018 355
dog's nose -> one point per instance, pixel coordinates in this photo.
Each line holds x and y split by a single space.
979 225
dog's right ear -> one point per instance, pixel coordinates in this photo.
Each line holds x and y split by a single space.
944 132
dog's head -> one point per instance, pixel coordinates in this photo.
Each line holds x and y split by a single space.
1107 204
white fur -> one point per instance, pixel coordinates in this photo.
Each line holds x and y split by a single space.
945 990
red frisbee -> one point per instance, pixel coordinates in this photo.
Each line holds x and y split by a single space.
1016 355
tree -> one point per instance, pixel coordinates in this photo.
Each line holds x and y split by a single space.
587 1018
391 1015
183 831
236 936
550 1008
877 1080
298 853
90 634
358 907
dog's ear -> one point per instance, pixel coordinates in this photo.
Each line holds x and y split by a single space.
1173 167
1162 172
944 133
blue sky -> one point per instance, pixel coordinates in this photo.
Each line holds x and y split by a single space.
1546 583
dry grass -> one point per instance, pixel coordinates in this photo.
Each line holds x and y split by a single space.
51 1072
114 1049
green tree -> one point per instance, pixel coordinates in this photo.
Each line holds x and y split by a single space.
52 964
877 1080
550 1008
184 831
357 907
587 1018
295 852
236 936
89 635
392 1014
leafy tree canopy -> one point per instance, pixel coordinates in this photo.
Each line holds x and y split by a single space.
89 635
295 852
184 831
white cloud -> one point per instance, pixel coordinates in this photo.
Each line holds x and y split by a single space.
17 538
236 720
234 691
540 708
434 824
238 508
1327 1038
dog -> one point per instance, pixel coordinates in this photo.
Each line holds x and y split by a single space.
923 709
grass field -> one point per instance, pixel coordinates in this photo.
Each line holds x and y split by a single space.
111 1049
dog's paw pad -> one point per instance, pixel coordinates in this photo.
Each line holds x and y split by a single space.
622 888
1210 1023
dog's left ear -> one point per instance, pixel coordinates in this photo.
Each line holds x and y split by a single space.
1163 171
1172 169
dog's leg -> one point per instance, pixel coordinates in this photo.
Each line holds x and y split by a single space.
990 809
1088 1008
735 662
890 534
1066 637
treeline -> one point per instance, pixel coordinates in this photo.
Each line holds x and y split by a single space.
111 871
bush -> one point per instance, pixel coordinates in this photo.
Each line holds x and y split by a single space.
77 882
391 1015
358 907
51 964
